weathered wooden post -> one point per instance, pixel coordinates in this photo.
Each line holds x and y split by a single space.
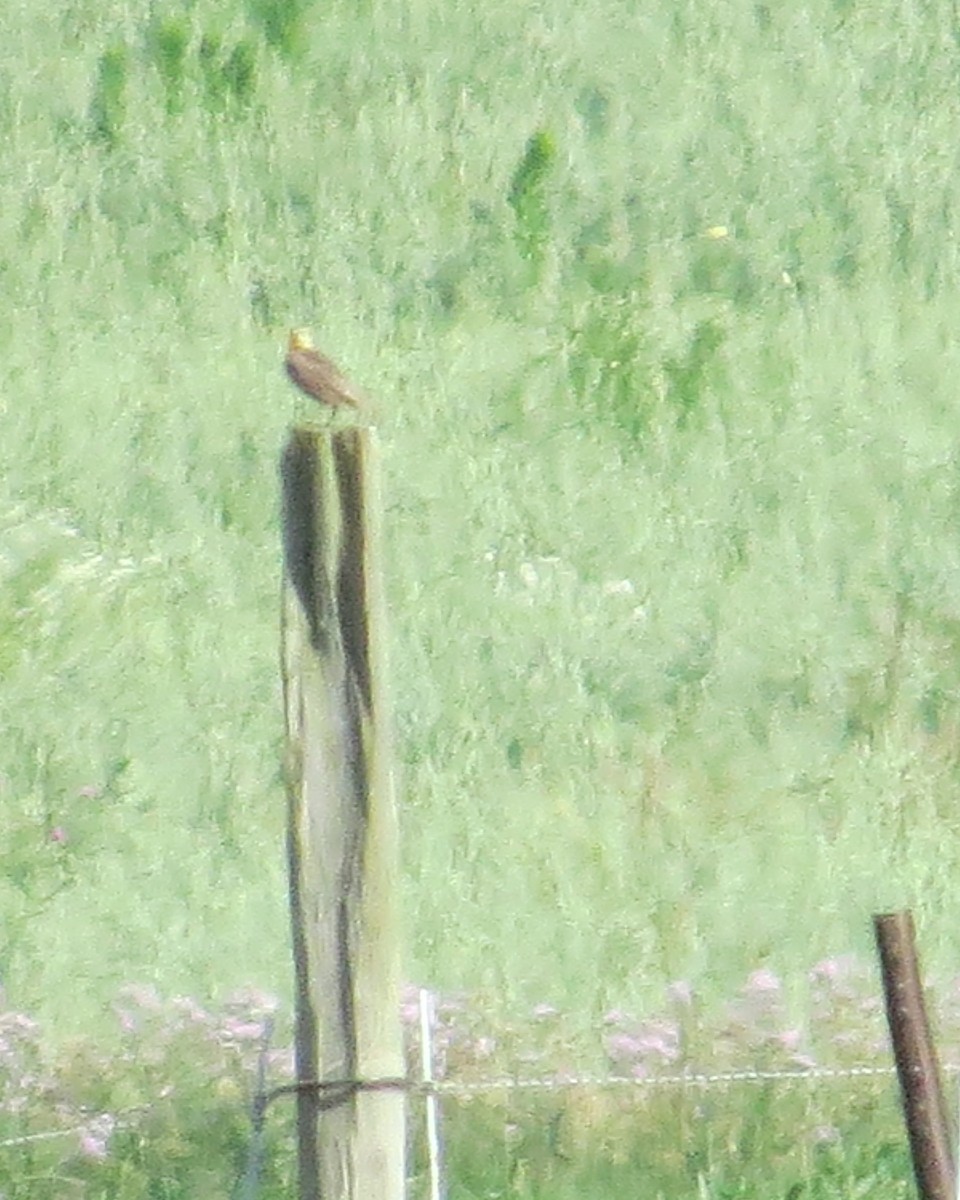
918 1068
342 836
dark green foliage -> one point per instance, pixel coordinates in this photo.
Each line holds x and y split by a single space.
447 284
687 375
903 234
210 60
528 193
530 175
229 79
610 366
108 106
240 71
33 220
619 379
166 46
282 22
261 308
721 268
593 108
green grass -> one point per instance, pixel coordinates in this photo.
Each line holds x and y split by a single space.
672 519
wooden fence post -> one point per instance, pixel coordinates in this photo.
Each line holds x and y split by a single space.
918 1068
342 837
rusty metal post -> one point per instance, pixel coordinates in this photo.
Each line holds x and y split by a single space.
921 1092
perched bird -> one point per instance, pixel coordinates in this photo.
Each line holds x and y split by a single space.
316 375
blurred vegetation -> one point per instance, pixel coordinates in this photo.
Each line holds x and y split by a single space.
659 307
168 1111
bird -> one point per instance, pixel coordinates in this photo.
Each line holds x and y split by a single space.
316 375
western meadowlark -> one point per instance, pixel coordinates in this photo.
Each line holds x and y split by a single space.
316 375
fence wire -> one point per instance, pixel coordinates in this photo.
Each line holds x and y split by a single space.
683 1079
263 1097
340 1091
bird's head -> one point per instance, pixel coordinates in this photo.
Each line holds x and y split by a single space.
300 339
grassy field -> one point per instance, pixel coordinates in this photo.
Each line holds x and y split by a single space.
659 306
